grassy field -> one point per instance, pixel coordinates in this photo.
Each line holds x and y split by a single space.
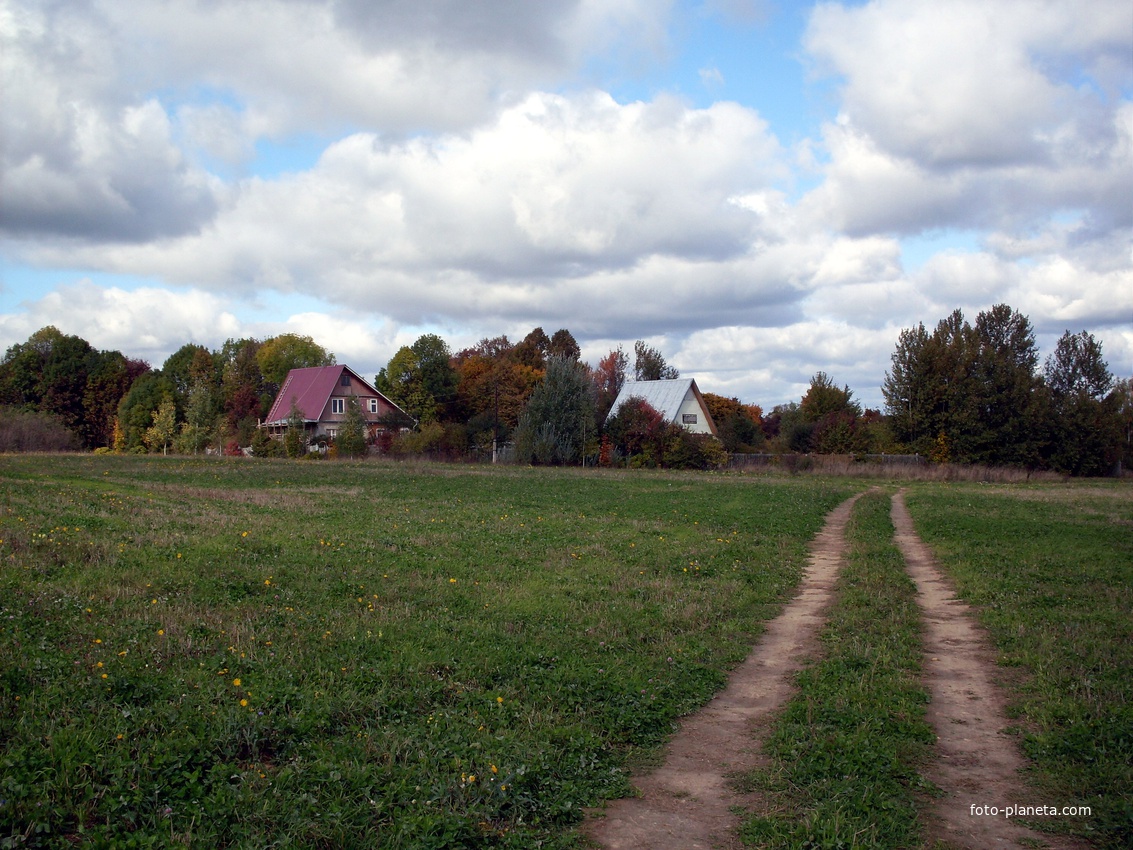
1050 570
232 653
253 654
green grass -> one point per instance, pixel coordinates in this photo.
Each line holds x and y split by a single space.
231 653
846 751
1050 572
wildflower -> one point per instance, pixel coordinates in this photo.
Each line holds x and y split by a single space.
245 534
104 675
236 682
243 703
99 664
500 700
161 631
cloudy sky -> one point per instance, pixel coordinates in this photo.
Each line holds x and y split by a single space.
761 189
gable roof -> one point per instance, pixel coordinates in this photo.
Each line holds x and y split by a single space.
311 388
666 397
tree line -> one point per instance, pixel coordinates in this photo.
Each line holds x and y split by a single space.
963 393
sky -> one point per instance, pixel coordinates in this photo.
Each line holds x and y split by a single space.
761 190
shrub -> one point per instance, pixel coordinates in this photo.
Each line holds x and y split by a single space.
26 431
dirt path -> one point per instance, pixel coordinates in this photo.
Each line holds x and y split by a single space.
976 764
686 804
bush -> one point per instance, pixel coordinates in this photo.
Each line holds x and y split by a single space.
420 442
684 450
27 431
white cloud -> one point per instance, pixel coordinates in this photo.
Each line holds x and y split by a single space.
148 322
969 82
559 203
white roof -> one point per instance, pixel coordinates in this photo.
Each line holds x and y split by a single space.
666 397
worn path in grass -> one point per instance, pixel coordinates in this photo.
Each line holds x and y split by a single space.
976 765
686 804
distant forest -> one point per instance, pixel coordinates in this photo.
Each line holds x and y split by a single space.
959 393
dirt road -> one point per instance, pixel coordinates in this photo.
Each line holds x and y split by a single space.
689 804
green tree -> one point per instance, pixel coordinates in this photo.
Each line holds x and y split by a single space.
278 355
438 377
824 397
137 407
649 364
107 384
164 428
200 425
532 350
559 417
295 438
1086 417
563 344
351 439
905 387
179 368
1009 401
405 384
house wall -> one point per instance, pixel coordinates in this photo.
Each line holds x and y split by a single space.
328 423
691 407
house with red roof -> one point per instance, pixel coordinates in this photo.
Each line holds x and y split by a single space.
321 395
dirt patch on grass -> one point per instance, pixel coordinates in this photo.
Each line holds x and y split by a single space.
688 802
977 764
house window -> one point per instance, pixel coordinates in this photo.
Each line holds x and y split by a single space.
332 432
345 380
688 418
373 405
338 405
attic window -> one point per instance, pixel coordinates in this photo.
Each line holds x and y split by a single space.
345 381
688 418
373 405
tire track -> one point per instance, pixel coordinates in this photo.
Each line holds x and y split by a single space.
976 764
686 804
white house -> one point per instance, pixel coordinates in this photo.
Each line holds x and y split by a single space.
677 400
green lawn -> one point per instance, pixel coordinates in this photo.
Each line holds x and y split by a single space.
234 653
1050 572
249 653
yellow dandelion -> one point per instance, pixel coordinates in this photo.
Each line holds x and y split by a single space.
161 631
99 664
104 675
236 682
243 703
500 700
